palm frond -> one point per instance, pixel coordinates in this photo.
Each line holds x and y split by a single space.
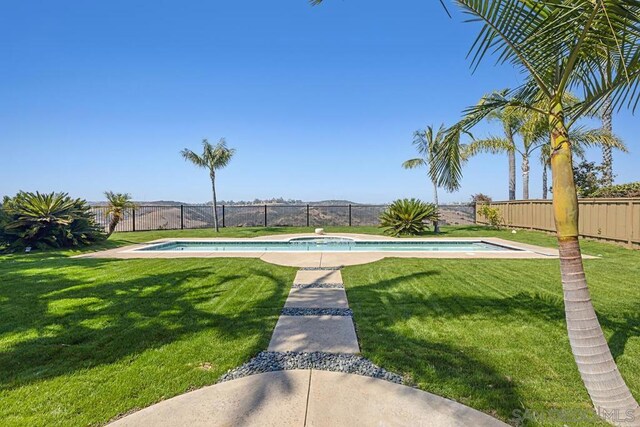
447 162
581 136
491 144
193 158
414 163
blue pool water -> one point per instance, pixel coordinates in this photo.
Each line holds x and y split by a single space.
326 244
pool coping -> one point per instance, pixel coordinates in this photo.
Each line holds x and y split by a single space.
333 258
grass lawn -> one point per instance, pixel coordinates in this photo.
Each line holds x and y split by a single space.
83 340
491 333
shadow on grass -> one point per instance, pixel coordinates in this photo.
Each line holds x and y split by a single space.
72 323
454 370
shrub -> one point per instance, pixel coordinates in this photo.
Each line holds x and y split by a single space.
481 198
408 217
492 215
47 220
3 223
631 189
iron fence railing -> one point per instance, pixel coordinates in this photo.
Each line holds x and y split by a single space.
180 217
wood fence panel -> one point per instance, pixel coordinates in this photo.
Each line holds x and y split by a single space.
608 219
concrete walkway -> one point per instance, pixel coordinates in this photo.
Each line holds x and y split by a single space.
316 318
307 398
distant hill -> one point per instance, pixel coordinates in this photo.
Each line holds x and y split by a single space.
275 201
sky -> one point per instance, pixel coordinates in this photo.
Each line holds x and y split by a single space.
319 102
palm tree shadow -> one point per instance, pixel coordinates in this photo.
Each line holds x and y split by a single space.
451 367
80 325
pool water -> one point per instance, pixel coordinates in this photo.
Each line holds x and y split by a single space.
326 244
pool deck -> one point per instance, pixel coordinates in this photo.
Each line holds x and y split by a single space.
333 259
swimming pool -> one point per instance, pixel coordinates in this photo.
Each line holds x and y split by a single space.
327 244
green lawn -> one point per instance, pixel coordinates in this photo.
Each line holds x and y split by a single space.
491 333
83 340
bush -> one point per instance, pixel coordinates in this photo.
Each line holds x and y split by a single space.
408 217
481 198
631 189
492 215
47 220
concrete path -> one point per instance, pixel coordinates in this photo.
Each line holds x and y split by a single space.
316 318
307 398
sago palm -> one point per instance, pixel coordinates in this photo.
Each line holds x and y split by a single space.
212 158
427 144
408 217
117 205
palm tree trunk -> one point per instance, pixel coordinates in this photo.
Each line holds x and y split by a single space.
113 223
525 176
545 182
436 224
512 165
600 375
215 202
512 174
607 155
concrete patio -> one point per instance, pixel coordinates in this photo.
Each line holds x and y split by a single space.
333 259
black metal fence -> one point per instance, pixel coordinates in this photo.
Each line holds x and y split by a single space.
180 217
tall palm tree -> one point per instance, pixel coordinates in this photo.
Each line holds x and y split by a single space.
511 121
560 45
533 130
427 143
117 205
212 158
607 154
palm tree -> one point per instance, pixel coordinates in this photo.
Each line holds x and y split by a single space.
212 158
607 155
534 132
117 205
559 45
511 122
427 145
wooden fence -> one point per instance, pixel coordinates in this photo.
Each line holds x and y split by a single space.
616 220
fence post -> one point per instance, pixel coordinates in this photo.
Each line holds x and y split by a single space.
349 214
531 215
223 224
265 215
181 217
630 224
307 215
134 218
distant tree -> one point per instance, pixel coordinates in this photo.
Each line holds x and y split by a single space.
481 198
427 144
533 129
589 178
117 204
212 158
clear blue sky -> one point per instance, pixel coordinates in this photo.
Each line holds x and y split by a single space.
320 102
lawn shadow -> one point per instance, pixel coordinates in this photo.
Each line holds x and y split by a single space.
451 367
75 324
